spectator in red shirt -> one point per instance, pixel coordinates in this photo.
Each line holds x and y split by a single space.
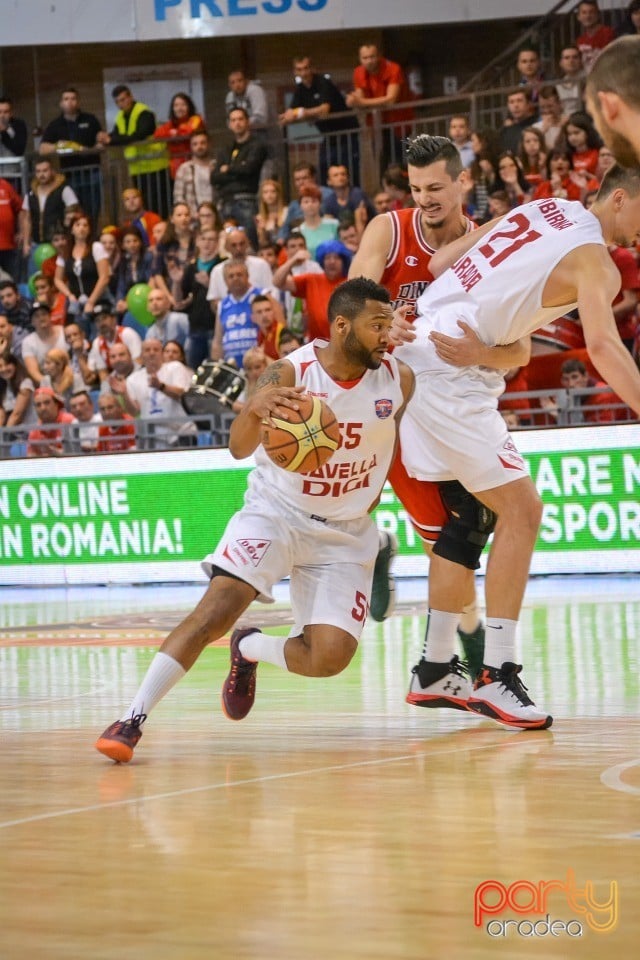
560 182
10 204
581 139
595 36
378 82
183 121
46 440
118 432
56 301
584 406
268 316
316 288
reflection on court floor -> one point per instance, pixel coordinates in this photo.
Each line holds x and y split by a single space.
336 820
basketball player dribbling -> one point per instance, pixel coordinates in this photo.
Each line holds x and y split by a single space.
315 527
505 281
396 251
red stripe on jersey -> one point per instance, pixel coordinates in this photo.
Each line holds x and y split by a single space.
304 366
419 233
348 384
395 237
389 368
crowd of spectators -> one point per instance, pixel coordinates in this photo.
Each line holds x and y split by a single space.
101 328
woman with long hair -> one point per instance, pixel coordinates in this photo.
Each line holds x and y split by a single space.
533 156
482 174
183 121
16 392
272 212
110 240
173 252
580 138
135 266
511 179
58 374
560 183
208 216
84 276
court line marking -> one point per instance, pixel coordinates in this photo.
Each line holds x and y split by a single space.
334 768
612 778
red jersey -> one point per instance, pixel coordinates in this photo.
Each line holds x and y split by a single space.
375 85
46 436
10 204
316 289
269 341
122 437
406 274
592 44
630 280
587 160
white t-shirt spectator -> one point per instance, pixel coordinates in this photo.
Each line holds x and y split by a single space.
9 401
260 275
154 404
34 346
97 359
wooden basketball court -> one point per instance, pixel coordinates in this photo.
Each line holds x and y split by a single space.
336 821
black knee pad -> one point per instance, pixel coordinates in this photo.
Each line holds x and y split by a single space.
470 525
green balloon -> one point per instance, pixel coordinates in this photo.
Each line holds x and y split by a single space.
42 252
31 283
137 304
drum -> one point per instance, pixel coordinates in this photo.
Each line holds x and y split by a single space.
216 384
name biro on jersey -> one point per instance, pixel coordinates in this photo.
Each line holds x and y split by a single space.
337 479
554 215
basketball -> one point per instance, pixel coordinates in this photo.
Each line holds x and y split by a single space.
306 441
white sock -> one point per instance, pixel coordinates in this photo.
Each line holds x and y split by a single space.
499 641
440 636
469 618
259 646
163 674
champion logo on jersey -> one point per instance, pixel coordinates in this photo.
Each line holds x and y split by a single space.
384 409
411 261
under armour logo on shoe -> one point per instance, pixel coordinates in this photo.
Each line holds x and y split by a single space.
454 690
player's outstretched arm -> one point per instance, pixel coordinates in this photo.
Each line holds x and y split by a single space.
371 258
597 286
276 394
468 350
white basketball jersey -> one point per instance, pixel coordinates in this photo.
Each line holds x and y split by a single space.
497 286
346 486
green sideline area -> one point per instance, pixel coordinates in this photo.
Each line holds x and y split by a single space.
152 517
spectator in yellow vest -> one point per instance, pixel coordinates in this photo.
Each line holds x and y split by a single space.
148 161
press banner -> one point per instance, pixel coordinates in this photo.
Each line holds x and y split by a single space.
38 22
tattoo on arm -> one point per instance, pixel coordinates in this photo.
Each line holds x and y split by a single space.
271 376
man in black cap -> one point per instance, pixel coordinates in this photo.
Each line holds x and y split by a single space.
110 332
45 337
